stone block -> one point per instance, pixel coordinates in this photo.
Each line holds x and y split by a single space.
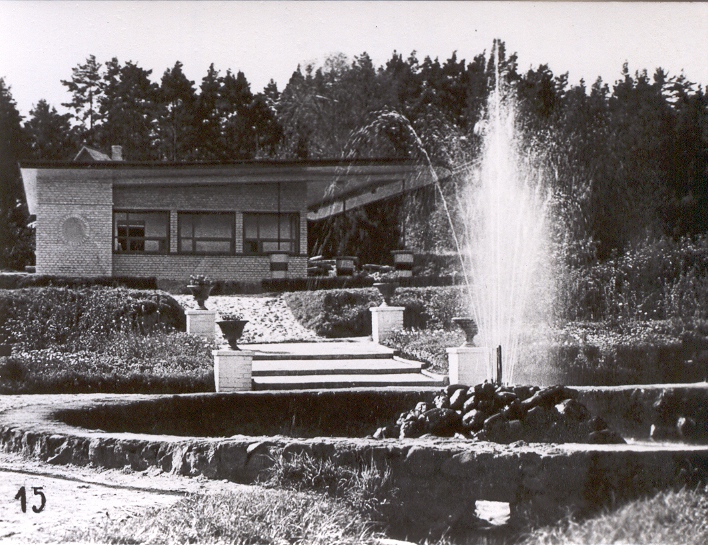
202 323
384 320
233 370
469 365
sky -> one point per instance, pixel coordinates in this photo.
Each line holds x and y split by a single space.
41 41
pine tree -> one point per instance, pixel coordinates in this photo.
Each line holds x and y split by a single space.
177 115
50 134
129 110
15 237
86 88
208 120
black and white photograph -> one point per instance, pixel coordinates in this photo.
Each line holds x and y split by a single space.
332 272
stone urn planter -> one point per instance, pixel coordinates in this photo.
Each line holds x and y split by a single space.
345 265
469 327
200 286
232 328
386 289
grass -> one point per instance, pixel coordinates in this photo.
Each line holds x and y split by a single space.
267 516
670 517
367 489
254 517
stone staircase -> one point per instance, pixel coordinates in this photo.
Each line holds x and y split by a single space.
348 364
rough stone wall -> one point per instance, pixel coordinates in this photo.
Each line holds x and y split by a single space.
439 480
74 225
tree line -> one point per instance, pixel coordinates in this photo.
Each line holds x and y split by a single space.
628 159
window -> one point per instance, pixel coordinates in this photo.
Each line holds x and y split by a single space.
206 233
141 232
263 233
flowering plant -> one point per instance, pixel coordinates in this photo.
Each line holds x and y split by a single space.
200 280
230 316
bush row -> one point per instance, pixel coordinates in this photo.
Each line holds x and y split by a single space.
222 287
126 362
657 279
345 313
80 319
585 353
18 281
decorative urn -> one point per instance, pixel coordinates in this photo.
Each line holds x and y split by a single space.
469 327
232 327
200 286
386 289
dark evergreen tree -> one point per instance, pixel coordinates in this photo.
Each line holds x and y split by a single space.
50 135
129 110
208 120
177 115
238 131
16 241
86 88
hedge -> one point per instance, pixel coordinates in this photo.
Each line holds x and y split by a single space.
18 281
36 318
345 313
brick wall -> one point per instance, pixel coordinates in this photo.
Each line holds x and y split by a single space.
240 268
238 198
74 225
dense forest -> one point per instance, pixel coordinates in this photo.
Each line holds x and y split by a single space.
629 159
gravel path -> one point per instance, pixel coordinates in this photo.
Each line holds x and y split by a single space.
80 497
270 320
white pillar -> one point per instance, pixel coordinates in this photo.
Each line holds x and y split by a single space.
233 370
469 365
202 323
384 320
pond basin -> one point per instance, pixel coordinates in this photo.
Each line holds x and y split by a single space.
237 436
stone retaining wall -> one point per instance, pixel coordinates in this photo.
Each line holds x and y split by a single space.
439 479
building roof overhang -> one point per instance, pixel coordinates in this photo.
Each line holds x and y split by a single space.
330 183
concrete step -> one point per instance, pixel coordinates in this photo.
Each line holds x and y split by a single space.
338 350
302 382
368 366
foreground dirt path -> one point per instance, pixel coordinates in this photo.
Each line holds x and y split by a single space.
80 497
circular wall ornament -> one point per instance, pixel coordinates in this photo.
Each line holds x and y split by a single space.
75 230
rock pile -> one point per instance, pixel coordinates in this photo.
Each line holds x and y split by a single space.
503 414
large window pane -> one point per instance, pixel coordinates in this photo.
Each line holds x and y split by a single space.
213 246
141 232
213 226
206 232
268 227
261 234
155 225
250 226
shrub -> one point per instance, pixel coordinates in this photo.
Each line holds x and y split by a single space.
81 319
345 313
427 346
127 362
582 353
334 313
18 281
657 279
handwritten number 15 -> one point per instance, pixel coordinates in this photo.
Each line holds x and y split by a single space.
22 496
